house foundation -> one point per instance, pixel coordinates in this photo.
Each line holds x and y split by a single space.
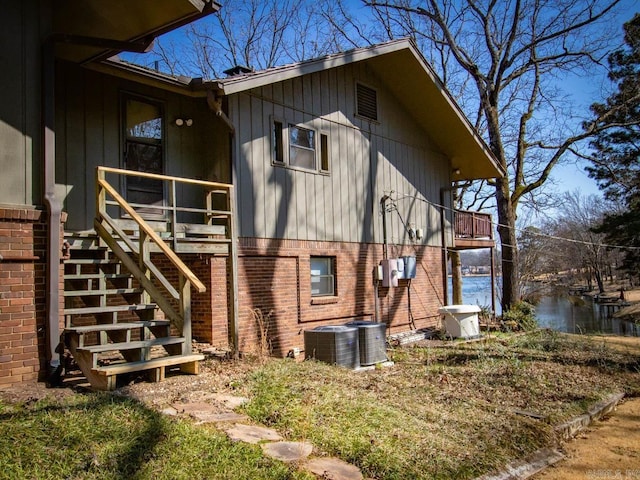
275 300
23 236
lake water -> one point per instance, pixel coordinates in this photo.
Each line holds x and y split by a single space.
554 310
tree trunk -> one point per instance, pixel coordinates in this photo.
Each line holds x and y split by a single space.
456 277
508 240
598 275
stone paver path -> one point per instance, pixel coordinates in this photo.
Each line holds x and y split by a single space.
252 434
333 468
220 410
288 451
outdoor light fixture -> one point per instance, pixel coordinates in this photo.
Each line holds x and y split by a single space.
184 121
456 171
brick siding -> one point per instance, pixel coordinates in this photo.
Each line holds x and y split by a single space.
23 236
274 284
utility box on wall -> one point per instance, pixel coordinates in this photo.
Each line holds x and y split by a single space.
409 266
389 272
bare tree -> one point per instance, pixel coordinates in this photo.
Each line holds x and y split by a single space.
257 34
508 57
576 240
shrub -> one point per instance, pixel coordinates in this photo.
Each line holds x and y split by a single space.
521 316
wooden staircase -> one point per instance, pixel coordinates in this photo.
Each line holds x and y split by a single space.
111 327
122 305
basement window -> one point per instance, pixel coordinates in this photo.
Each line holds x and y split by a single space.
366 102
323 280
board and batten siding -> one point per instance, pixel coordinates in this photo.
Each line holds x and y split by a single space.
367 161
20 103
88 134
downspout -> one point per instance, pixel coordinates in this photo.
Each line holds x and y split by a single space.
215 105
383 207
53 210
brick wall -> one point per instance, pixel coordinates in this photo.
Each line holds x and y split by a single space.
274 283
23 234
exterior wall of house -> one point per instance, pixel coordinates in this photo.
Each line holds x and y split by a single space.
288 215
23 233
367 161
89 134
275 284
23 222
20 102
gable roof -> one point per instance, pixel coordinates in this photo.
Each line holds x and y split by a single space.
406 73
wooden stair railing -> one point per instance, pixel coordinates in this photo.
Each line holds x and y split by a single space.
144 267
215 234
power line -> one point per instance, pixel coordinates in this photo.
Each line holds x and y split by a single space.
519 230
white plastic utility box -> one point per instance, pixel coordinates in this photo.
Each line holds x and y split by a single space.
461 321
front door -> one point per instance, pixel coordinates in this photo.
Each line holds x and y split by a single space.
144 152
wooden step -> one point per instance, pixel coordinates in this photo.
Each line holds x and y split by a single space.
91 261
118 326
138 344
129 367
131 351
113 291
109 309
104 378
203 240
95 276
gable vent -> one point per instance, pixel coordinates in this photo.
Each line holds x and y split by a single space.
367 99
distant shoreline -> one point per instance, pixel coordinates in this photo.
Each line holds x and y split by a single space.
475 275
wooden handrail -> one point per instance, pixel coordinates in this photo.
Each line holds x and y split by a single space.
157 176
181 235
153 236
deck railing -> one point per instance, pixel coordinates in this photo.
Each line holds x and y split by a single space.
134 249
472 225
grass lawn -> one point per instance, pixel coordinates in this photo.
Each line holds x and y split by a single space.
440 412
103 436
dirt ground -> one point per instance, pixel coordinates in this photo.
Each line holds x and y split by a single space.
609 449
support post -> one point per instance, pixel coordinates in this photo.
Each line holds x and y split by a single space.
234 333
185 312
493 281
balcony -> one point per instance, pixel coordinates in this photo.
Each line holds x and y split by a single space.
472 230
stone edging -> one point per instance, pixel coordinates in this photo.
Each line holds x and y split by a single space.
541 459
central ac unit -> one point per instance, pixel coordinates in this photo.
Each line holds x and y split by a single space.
334 344
373 341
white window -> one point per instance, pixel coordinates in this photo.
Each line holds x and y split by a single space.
302 147
323 280
299 147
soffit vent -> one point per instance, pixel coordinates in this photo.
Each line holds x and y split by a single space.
367 99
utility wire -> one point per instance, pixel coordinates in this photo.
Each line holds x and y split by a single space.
553 237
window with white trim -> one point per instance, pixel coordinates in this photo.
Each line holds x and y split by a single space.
323 279
299 147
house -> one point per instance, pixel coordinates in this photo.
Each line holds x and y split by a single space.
139 211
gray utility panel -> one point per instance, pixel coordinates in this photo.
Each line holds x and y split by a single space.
372 338
334 344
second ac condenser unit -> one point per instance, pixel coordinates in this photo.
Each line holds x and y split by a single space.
372 338
334 344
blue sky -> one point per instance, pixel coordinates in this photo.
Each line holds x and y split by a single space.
584 91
